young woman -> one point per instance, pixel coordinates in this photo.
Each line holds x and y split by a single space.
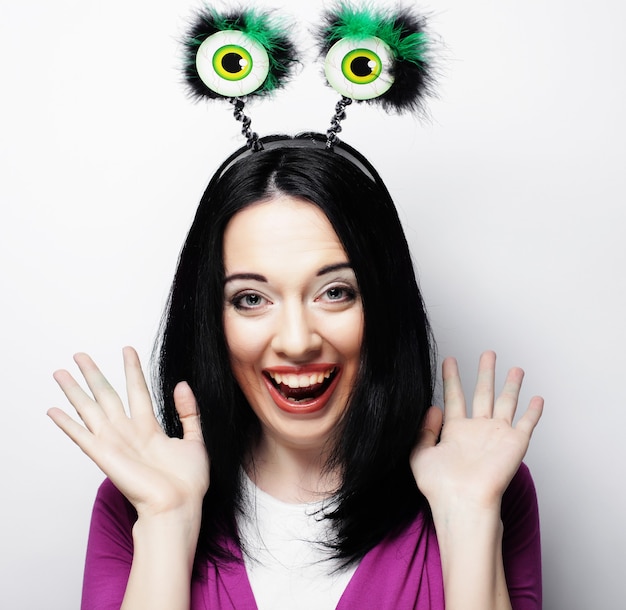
301 463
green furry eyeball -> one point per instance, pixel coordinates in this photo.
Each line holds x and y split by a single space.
375 55
235 55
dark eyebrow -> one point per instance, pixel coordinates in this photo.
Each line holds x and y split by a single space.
261 278
245 276
331 268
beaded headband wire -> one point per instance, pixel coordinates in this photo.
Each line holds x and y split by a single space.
370 55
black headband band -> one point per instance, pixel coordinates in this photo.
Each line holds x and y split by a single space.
307 140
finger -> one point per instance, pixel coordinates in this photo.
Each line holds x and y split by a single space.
139 401
187 409
101 389
506 403
453 399
530 419
80 435
431 429
482 405
88 410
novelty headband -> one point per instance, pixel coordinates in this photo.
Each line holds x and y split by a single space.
369 55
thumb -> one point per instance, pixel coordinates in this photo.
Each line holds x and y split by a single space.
187 409
433 422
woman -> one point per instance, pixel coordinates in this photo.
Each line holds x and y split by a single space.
296 359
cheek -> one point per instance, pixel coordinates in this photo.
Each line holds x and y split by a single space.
234 331
346 334
243 365
245 343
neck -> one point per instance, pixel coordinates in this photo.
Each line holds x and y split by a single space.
290 474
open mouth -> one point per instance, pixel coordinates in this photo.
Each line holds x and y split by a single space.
302 387
303 392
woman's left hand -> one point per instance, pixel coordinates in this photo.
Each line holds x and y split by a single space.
472 460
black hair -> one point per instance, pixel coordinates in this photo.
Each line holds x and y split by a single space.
394 385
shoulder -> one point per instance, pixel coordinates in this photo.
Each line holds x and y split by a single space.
109 550
109 494
112 518
521 542
519 501
111 499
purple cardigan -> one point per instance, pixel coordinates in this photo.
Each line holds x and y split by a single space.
403 572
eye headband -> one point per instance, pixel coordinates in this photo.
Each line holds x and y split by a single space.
369 55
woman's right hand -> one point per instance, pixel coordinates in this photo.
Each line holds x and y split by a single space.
156 473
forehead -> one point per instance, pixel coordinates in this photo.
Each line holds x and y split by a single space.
280 232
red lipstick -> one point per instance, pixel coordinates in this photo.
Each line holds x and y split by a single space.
306 369
307 405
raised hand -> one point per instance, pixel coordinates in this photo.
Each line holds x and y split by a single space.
472 460
156 473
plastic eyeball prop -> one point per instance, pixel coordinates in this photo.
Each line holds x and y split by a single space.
231 64
359 69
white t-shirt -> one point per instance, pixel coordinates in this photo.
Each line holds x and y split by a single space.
286 565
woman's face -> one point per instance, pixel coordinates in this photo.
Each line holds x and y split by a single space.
293 319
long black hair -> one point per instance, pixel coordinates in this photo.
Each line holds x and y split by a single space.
394 385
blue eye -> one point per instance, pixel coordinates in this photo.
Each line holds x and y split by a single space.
359 68
339 294
248 301
335 294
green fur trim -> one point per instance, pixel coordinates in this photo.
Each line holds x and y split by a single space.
259 26
367 22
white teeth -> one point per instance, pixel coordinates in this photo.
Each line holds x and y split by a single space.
316 378
301 381
292 381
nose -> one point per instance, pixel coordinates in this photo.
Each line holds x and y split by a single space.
295 336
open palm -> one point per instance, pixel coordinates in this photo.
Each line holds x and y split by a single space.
155 472
473 458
